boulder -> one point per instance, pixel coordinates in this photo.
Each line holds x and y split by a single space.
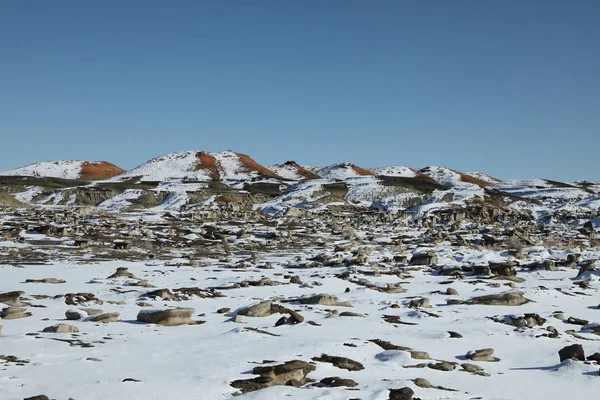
340 362
45 280
61 328
502 299
122 272
11 298
506 268
15 313
169 317
324 300
107 317
482 355
291 373
427 258
336 381
262 309
405 393
74 315
575 352
443 366
423 302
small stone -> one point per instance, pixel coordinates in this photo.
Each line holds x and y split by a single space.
451 292
454 335
224 310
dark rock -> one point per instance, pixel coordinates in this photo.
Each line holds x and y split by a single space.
335 381
575 352
405 393
340 362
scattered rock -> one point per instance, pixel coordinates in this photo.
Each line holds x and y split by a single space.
482 355
405 393
336 381
503 299
61 328
574 351
74 315
107 317
323 299
340 362
45 280
15 313
422 383
122 272
443 366
12 299
292 371
262 309
169 317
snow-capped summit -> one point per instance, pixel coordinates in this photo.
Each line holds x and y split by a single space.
293 171
341 171
199 166
451 178
68 169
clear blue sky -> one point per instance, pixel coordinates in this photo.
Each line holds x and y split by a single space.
511 88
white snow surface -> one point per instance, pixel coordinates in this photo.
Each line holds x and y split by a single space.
399 170
199 361
339 171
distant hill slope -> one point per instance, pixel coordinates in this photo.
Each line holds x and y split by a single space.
199 166
293 171
68 169
451 178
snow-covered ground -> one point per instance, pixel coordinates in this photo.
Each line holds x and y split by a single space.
134 360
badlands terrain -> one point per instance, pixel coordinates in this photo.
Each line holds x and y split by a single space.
204 275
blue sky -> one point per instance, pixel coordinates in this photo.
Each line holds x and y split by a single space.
510 88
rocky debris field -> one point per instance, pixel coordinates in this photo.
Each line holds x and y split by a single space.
348 305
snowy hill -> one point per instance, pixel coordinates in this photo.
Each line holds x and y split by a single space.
199 166
292 171
68 169
342 171
451 178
